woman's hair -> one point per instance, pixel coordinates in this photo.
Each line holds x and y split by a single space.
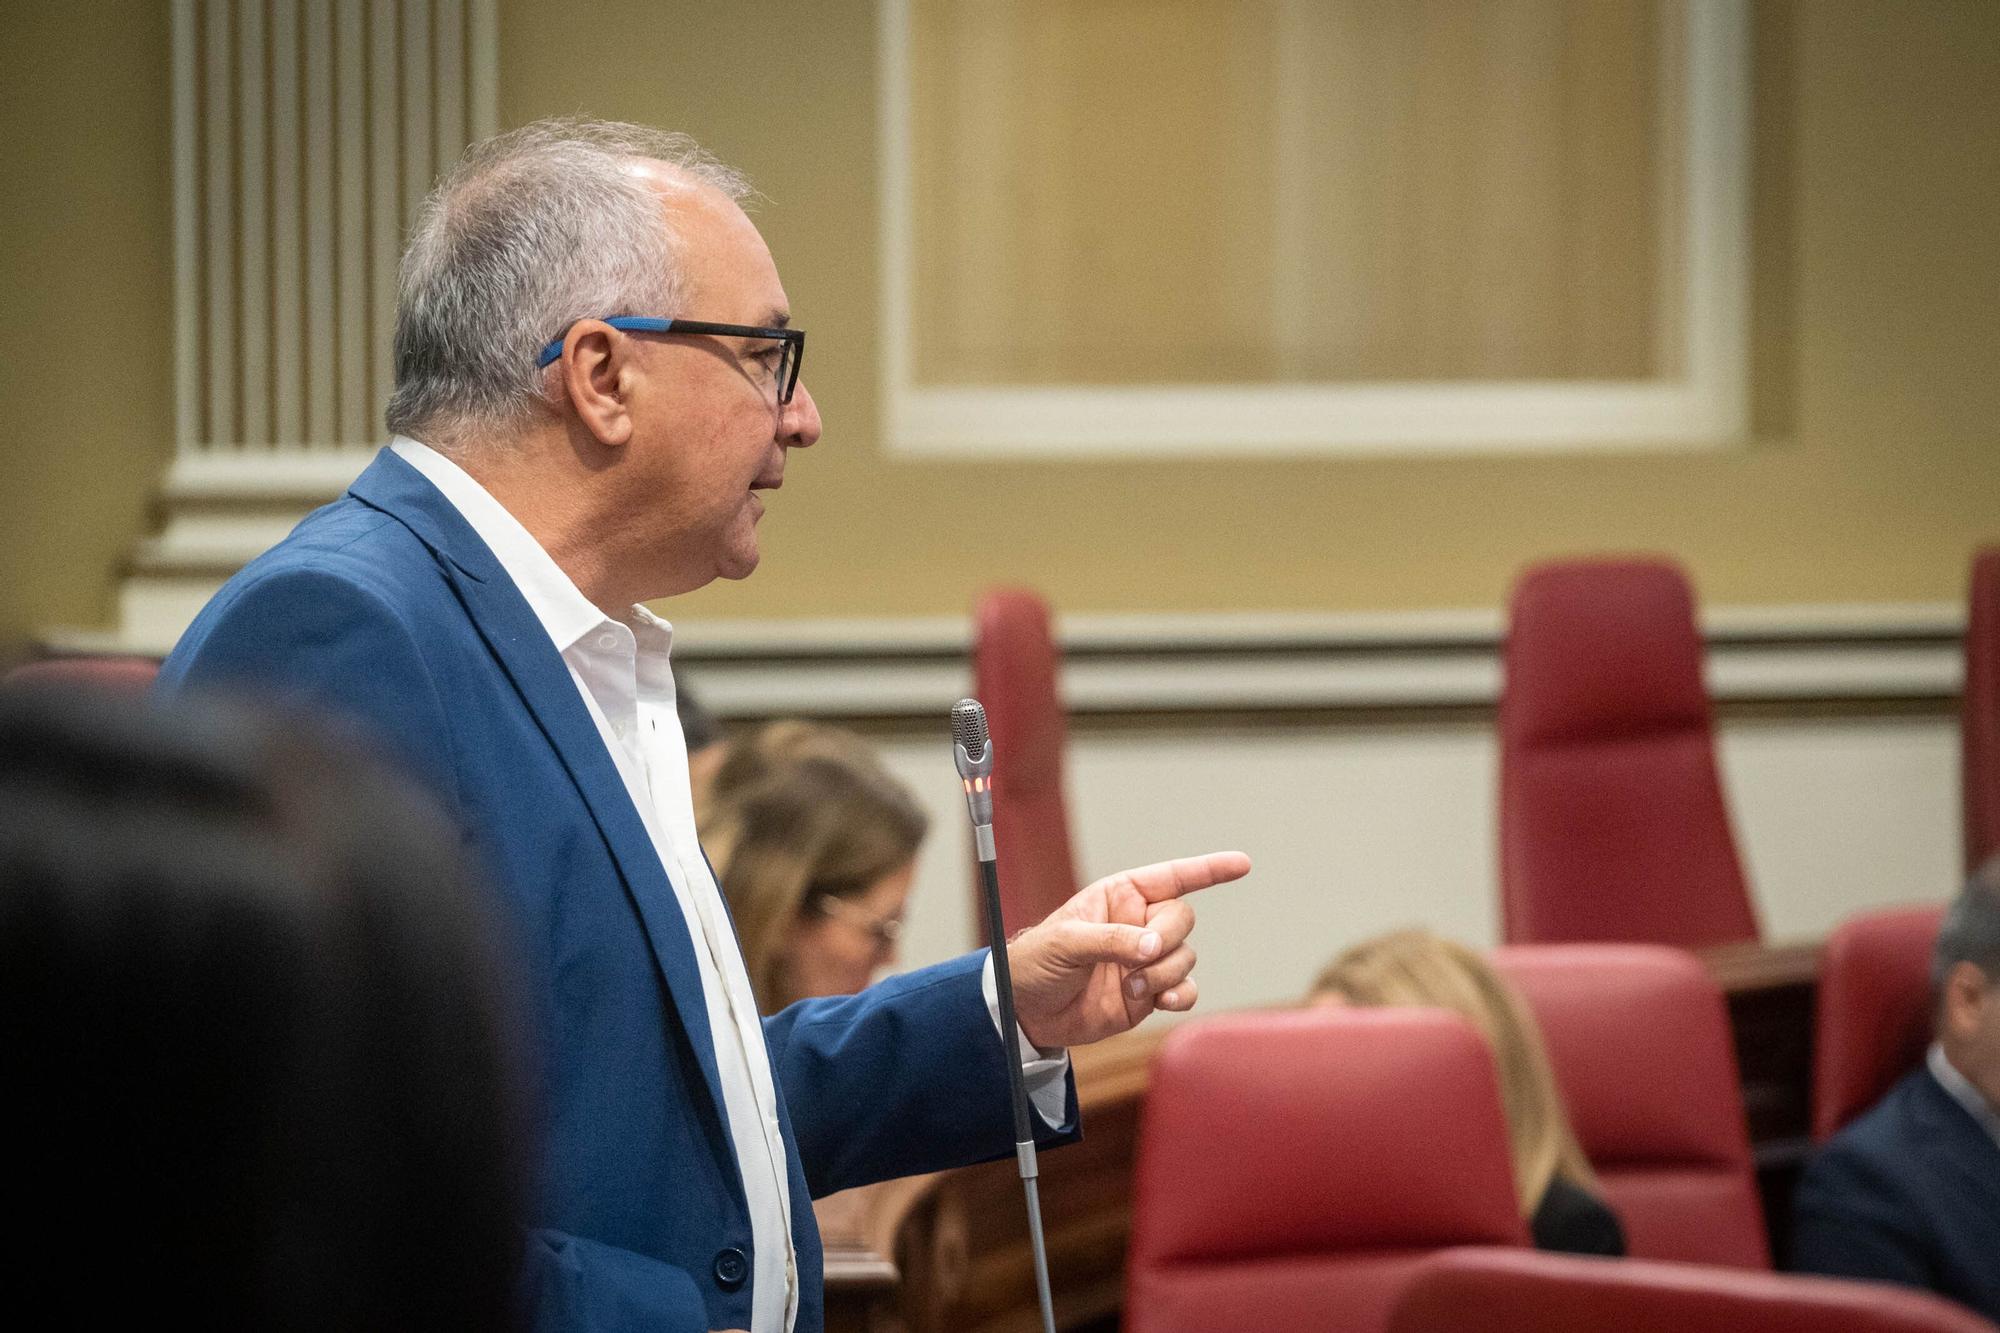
1415 967
255 1030
799 810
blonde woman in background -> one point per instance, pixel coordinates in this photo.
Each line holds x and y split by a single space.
814 843
1557 1189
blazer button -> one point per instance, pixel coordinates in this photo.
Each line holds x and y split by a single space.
731 1268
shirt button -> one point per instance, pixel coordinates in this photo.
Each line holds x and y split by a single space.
607 640
731 1267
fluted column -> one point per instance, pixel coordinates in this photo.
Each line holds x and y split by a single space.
306 132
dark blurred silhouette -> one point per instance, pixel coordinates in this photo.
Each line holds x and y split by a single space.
257 1041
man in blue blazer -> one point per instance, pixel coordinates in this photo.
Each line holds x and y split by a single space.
568 447
1910 1192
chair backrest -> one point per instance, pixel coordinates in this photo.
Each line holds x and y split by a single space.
1640 1040
1294 1166
1979 711
1528 1292
1612 819
120 673
1873 1017
1015 668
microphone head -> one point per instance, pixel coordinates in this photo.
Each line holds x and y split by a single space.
973 753
968 728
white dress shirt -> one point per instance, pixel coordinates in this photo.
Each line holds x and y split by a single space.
622 672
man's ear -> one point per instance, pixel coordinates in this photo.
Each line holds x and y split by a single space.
1964 987
596 372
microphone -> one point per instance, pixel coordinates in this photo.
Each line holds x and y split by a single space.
972 751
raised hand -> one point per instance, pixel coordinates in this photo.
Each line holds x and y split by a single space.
1115 952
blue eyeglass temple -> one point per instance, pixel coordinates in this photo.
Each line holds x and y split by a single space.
630 323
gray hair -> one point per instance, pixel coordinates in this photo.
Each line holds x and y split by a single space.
531 231
1971 929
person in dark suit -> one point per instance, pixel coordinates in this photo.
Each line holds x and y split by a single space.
1910 1192
597 382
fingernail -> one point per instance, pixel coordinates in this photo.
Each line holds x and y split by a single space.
1149 944
1137 987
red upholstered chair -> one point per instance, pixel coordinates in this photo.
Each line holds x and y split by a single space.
1015 665
132 674
1612 821
1873 1018
1640 1041
1979 711
1294 1167
1528 1292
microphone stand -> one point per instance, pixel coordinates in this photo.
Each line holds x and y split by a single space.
974 754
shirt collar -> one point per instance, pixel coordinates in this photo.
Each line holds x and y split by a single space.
1961 1090
561 607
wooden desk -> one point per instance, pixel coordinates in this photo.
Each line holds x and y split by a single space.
950 1251
1771 991
957 1242
859 1230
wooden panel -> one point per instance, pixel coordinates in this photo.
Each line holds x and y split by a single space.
960 1238
1772 990
1138 192
1091 208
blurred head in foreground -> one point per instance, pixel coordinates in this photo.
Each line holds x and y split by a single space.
1417 968
814 844
1965 970
255 1032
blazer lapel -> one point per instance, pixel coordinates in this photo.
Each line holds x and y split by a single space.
524 650
1958 1144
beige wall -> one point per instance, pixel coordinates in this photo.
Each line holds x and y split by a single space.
86 376
1876 470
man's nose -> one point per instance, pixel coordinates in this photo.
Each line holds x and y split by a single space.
799 427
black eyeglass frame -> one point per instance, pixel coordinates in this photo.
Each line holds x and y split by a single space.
791 358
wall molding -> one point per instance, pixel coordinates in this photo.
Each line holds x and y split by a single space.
1858 655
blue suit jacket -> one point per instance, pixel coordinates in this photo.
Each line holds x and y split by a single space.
387 608
1908 1193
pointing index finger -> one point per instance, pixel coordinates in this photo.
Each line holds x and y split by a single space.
1172 879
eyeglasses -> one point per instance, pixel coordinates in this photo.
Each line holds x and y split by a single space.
791 350
884 930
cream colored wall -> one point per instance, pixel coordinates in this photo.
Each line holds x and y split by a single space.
1357 829
1876 473
86 394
